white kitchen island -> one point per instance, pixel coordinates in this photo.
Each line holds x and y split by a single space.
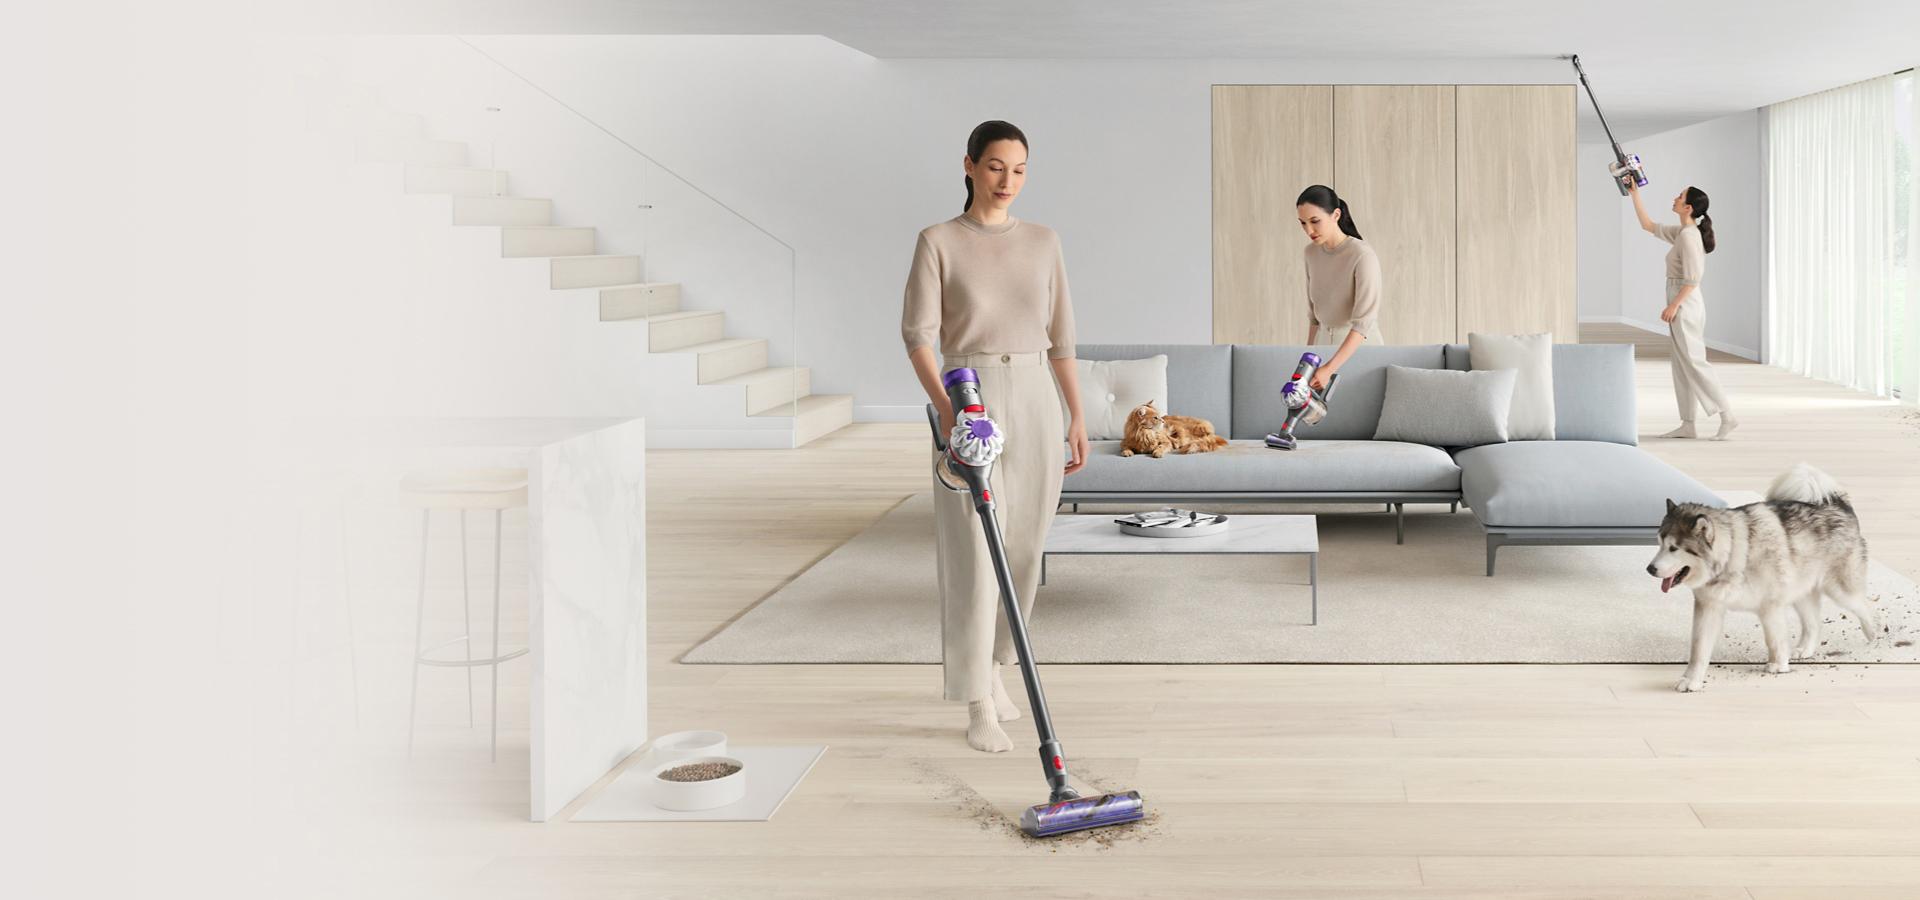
587 563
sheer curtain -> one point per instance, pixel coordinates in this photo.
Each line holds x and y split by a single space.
1907 361
1831 205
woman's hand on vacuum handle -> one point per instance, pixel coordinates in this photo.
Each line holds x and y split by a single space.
1077 441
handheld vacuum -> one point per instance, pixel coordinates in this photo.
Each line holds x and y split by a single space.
1626 170
1305 406
968 457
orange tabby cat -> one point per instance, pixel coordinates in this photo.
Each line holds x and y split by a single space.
1154 434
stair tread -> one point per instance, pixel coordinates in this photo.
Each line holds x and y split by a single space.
683 314
637 284
600 256
456 169
722 344
805 405
757 375
550 227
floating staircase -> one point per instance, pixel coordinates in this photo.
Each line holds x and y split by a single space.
480 199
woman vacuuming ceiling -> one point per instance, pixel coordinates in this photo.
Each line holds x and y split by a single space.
1695 387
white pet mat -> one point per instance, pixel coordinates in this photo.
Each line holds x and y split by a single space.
772 774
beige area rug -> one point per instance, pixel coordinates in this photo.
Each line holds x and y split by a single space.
874 600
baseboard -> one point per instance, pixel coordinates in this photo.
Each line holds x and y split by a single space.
719 438
1747 353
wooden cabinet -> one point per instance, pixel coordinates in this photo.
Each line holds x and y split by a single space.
1465 193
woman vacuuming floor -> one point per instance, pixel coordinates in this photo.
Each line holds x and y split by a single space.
991 292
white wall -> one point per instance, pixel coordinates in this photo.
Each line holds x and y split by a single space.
1597 236
1721 157
846 157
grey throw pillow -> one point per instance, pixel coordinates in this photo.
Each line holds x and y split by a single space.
1445 407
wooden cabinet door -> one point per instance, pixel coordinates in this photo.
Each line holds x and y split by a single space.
1515 210
1269 142
1393 149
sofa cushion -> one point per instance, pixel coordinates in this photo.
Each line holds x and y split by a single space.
1530 418
1572 484
1252 466
1199 377
1354 414
1111 389
1593 398
1446 409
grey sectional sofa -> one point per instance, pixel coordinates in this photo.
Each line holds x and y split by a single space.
1591 485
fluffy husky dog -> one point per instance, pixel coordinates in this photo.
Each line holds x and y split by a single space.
1782 553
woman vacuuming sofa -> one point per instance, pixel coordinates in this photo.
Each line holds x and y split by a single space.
1343 279
991 292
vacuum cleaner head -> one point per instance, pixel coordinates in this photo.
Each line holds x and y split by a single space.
1081 813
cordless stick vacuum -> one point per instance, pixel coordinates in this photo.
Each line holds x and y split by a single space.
970 451
1305 406
1626 170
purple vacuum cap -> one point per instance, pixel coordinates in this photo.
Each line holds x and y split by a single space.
982 429
1290 388
1313 358
955 376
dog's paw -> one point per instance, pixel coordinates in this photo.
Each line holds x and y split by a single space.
1126 453
1804 652
1689 685
1778 668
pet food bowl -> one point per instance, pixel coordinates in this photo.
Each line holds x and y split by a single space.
687 796
686 745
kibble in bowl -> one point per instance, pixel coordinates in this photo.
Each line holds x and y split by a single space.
705 782
701 771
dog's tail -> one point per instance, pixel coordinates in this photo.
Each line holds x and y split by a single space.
1807 484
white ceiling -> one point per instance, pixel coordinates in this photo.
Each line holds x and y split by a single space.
1655 66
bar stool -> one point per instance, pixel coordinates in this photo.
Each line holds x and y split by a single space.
462 490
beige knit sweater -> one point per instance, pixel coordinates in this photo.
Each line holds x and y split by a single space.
980 288
1343 287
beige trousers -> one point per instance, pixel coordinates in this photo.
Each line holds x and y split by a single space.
1694 384
1022 399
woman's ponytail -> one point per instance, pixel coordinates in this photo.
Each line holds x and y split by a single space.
1697 199
1323 197
1346 220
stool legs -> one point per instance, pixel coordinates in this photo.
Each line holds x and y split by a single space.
419 620
419 617
466 614
493 741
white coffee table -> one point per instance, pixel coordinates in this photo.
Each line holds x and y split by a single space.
1281 535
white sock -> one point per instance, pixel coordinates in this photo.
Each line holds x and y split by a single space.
1685 430
1727 424
1002 704
983 730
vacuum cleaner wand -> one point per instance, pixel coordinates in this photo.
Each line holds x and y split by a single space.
1626 170
965 463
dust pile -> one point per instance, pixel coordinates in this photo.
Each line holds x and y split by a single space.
989 818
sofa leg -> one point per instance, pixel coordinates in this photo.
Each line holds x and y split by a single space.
1453 507
1493 544
1399 523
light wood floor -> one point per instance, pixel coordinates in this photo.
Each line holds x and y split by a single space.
1265 781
